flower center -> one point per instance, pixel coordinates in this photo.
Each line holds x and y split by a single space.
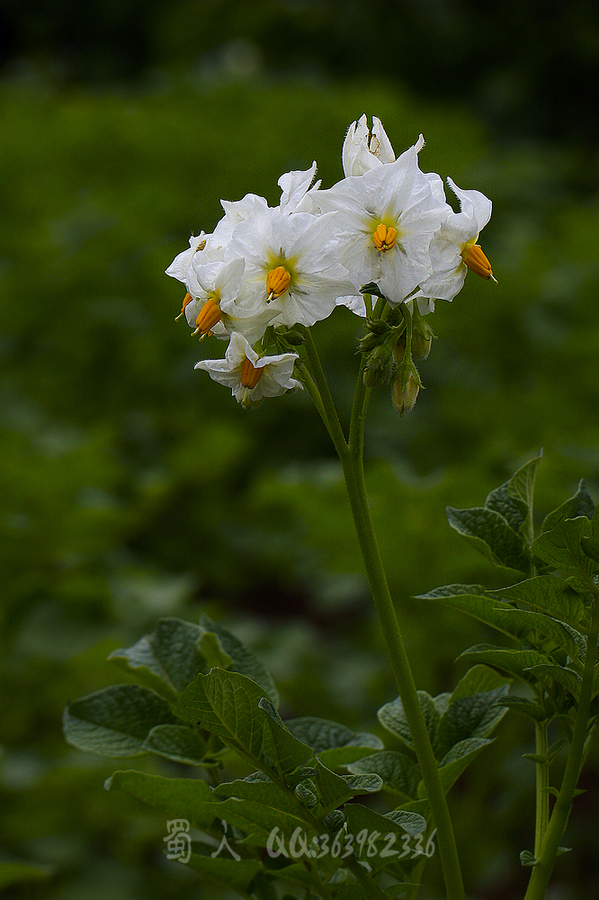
250 374
207 318
475 259
277 282
384 237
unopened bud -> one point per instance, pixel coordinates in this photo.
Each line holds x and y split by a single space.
399 350
378 366
422 339
405 393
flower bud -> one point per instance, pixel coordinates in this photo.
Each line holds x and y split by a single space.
378 366
404 390
422 339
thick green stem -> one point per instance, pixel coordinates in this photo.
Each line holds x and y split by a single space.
352 460
541 873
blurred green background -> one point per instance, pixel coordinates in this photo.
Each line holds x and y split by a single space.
132 487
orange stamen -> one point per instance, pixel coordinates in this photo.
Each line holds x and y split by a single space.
250 374
475 259
384 238
186 299
208 316
277 282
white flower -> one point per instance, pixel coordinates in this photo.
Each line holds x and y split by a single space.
290 264
296 190
386 220
181 265
454 249
251 377
214 308
360 154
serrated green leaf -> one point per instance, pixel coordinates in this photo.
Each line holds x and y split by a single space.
116 720
178 743
491 534
243 660
546 593
560 547
468 599
335 744
456 760
226 703
516 662
181 798
475 716
581 504
166 660
399 773
236 874
393 718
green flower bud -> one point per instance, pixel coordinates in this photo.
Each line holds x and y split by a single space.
405 388
378 366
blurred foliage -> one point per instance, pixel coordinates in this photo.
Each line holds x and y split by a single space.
531 66
133 487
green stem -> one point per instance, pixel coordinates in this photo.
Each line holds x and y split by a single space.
352 460
541 873
542 809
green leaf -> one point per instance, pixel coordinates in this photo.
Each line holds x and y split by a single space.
257 807
516 662
335 744
477 680
213 652
520 489
178 743
472 600
488 531
243 660
227 704
566 637
166 660
399 773
581 504
116 720
334 790
393 718
456 760
469 717
390 831
181 798
546 593
535 711
560 547
565 676
527 858
236 874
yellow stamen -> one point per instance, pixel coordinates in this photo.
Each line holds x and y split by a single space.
476 261
250 374
186 299
208 316
277 282
384 237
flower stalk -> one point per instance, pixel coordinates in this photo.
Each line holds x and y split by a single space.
351 454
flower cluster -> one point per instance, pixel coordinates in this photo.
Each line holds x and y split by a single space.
266 273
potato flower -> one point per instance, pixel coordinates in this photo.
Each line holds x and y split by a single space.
252 377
